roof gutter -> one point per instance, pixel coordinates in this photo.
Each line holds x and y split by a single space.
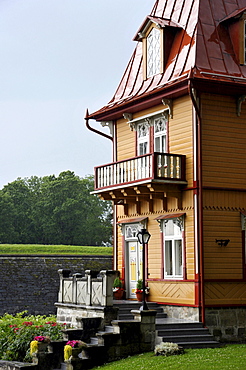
93 129
199 210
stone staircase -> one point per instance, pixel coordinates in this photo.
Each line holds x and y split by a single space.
185 333
125 308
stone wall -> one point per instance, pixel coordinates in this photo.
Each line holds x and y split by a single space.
227 324
32 282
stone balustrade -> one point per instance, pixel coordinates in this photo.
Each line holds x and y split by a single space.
93 289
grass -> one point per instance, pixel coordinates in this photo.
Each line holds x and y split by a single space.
225 358
53 249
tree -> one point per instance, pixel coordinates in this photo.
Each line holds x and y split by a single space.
59 210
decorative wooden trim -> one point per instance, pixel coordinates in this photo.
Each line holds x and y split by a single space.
162 255
184 255
169 103
123 274
240 101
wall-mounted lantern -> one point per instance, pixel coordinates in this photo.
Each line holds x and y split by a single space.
222 242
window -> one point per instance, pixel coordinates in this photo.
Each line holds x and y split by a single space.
243 225
143 138
173 248
153 52
160 135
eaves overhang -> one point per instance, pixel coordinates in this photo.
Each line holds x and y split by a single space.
140 102
219 84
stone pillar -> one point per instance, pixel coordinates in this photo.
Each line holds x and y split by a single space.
108 277
62 274
147 328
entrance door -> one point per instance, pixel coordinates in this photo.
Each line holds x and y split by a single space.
134 266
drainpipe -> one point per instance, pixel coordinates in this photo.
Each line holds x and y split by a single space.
93 129
199 211
114 207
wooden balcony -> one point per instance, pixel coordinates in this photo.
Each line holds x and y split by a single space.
143 178
161 167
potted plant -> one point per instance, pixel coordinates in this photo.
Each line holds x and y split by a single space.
39 344
72 349
118 291
139 290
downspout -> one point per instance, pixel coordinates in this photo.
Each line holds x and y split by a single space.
114 207
93 129
199 216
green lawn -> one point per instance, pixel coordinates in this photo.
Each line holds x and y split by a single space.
229 357
53 249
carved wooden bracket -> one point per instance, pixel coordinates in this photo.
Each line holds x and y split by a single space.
240 101
169 103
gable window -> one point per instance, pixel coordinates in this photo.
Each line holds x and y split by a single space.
153 52
142 138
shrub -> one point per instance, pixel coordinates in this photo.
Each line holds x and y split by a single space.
168 349
16 333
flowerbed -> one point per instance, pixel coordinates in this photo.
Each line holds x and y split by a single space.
16 333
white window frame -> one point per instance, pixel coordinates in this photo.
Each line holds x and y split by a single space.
160 133
173 239
153 56
143 137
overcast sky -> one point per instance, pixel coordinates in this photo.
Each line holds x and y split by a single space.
57 58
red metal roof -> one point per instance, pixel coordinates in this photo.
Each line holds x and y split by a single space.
203 50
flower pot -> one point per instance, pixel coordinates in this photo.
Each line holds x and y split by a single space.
42 346
76 352
118 294
139 296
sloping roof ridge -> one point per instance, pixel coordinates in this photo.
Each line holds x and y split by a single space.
233 14
163 21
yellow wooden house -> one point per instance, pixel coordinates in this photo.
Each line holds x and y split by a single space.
177 123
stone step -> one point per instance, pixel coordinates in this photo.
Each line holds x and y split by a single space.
186 334
179 324
188 338
180 332
203 344
125 308
16 365
94 340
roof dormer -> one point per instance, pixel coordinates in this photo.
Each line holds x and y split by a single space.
236 24
157 35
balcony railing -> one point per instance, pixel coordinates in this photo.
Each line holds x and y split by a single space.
162 166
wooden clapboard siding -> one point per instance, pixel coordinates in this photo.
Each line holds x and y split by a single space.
225 293
172 292
222 262
125 141
144 112
221 199
180 133
223 142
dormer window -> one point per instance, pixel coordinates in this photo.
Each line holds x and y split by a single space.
157 35
153 52
236 25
